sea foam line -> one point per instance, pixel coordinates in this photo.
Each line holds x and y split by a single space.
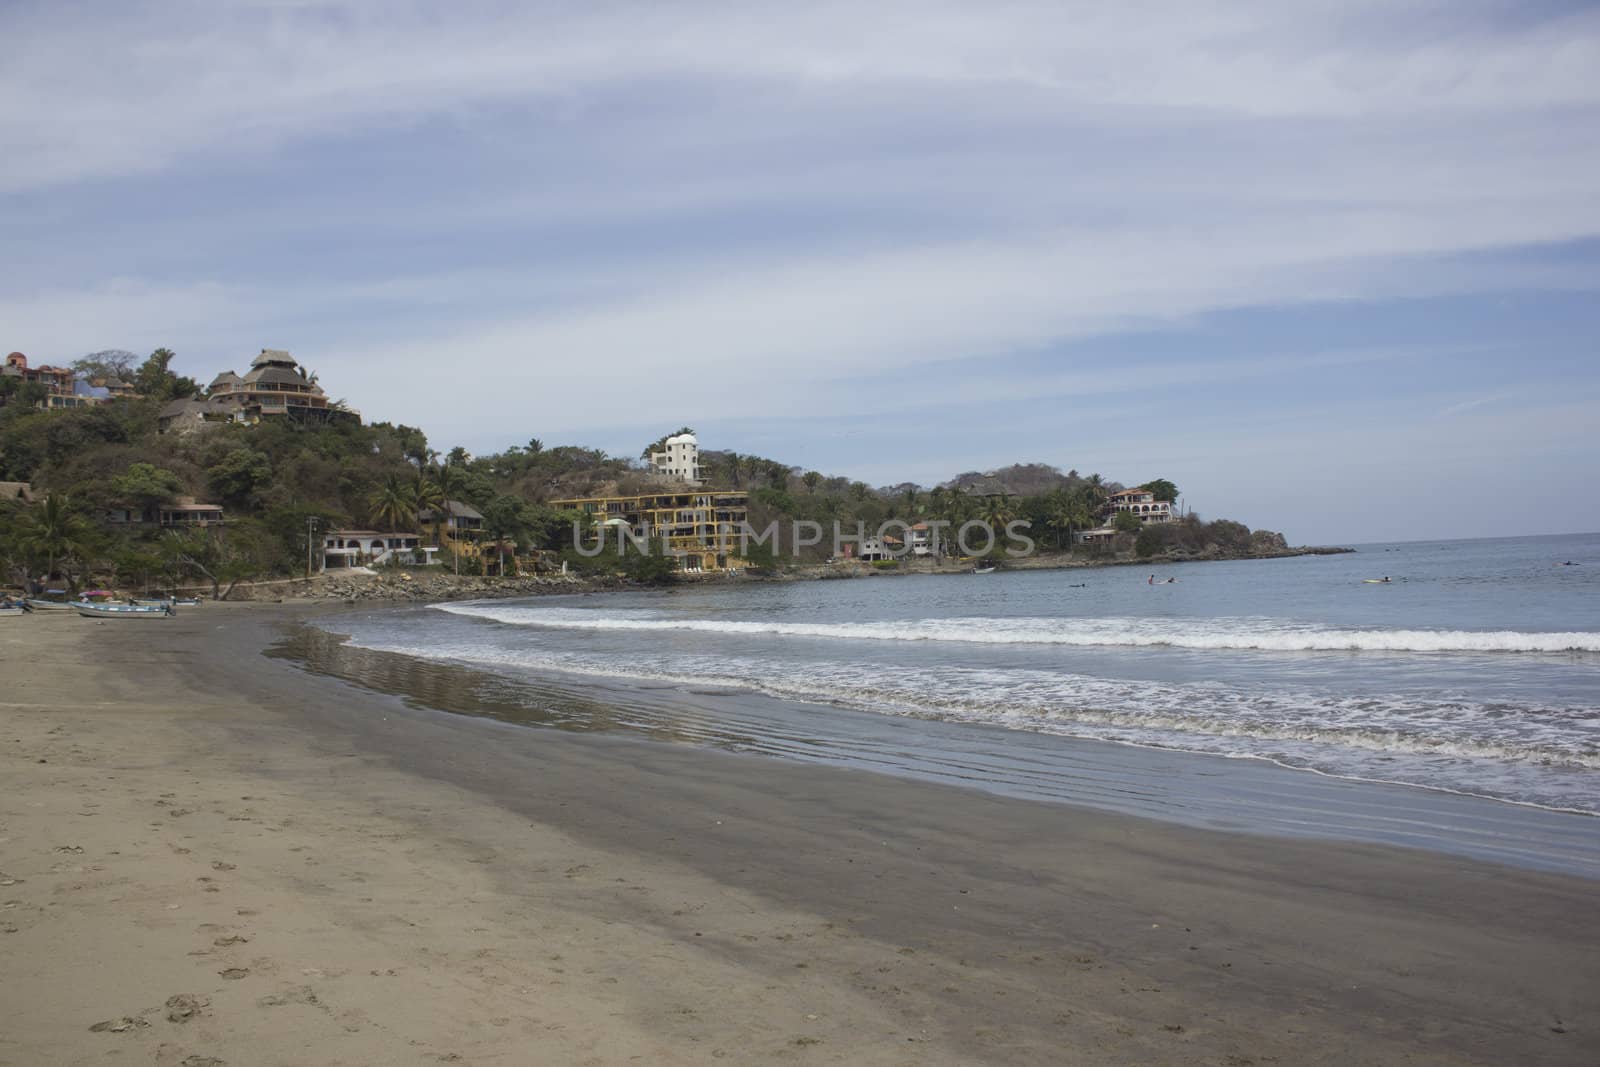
1196 734
1199 634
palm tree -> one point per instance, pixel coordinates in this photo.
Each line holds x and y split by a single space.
394 503
912 499
53 530
450 479
734 463
997 510
426 495
812 480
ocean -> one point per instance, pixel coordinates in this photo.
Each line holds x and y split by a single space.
1320 702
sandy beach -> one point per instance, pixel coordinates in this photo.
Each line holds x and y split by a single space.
208 856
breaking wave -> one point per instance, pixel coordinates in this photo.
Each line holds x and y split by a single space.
1242 634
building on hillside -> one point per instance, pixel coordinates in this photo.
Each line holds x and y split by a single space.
342 549
461 529
701 527
184 513
275 385
1141 502
16 493
1100 535
679 458
58 382
456 522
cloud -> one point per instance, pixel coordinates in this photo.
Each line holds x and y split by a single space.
752 211
137 87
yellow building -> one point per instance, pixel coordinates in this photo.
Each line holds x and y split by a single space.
702 526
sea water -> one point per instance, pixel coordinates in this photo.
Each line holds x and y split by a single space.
1475 670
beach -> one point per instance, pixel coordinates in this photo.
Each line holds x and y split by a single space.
212 856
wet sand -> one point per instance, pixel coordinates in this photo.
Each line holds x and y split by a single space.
223 858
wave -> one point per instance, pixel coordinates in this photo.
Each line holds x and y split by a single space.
1198 634
1195 717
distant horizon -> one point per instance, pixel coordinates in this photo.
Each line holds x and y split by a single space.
1332 271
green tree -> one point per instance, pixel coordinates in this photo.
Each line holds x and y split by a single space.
812 479
241 475
1126 522
426 496
393 504
147 485
1161 489
248 550
155 380
997 511
54 532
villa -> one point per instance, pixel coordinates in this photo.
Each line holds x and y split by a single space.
1142 503
358 548
701 527
275 385
185 513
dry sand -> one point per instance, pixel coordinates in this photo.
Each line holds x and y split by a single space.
210 857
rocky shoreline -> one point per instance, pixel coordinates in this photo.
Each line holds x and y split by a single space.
423 587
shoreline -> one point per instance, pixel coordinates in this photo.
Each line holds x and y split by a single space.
1257 795
336 875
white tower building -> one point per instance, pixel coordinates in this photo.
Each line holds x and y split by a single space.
680 458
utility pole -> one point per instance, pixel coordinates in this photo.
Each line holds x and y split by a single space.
312 522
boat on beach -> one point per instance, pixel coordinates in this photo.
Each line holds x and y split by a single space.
124 611
52 600
161 602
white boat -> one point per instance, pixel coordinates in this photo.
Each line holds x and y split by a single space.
123 611
39 604
11 613
156 602
983 570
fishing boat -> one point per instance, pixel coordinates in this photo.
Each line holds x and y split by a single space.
983 570
53 600
123 611
161 602
12 613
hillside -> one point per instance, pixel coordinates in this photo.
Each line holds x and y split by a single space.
101 472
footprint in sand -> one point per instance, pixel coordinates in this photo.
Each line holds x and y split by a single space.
234 973
119 1026
181 1007
302 995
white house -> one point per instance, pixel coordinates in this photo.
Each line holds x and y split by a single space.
356 548
680 458
920 539
1142 503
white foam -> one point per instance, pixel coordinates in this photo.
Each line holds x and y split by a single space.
1197 634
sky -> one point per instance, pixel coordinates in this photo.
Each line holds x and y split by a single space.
1330 267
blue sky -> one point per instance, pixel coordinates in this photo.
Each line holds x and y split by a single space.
1329 266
